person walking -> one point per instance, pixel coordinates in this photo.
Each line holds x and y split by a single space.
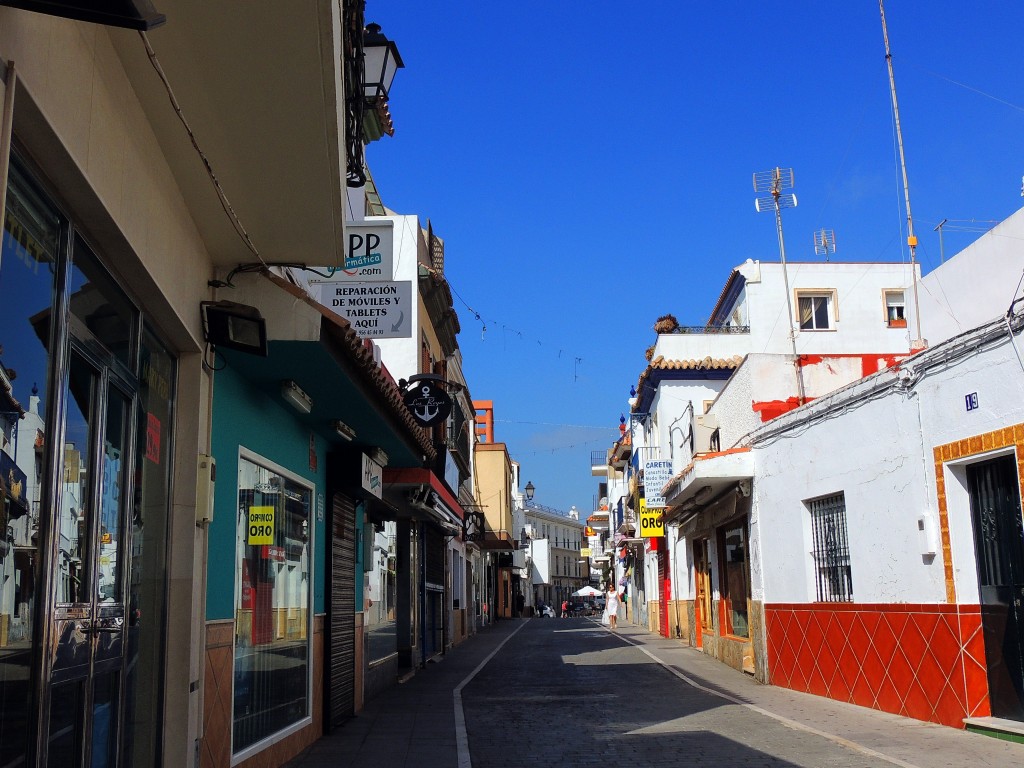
611 606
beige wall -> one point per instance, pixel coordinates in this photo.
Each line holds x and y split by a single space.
79 121
494 486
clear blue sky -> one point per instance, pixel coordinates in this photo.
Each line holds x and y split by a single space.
589 164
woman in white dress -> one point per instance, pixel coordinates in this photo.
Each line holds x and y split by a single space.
611 606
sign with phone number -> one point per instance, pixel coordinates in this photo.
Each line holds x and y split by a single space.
261 525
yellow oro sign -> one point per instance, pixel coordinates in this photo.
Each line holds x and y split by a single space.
650 521
261 525
585 552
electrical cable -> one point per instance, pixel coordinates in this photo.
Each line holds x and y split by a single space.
221 195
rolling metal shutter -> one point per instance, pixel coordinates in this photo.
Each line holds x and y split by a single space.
342 636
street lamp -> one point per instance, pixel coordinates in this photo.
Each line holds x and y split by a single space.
530 490
381 61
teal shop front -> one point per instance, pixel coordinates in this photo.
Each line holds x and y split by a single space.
285 543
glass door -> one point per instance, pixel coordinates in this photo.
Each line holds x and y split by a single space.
90 621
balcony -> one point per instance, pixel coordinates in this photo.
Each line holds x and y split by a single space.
599 463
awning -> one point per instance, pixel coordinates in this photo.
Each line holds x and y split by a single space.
419 494
704 480
330 362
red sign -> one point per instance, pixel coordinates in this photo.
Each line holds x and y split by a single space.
274 553
153 438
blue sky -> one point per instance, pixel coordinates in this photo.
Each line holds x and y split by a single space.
589 168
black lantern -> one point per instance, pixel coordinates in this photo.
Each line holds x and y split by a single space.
530 490
380 62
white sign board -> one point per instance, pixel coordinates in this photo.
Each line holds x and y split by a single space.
373 477
369 252
656 475
375 310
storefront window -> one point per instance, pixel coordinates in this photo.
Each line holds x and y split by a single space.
380 589
31 239
735 577
272 620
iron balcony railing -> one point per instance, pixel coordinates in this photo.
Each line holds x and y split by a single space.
712 329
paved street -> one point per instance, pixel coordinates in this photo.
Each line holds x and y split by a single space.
570 693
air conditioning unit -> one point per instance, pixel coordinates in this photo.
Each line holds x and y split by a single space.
705 433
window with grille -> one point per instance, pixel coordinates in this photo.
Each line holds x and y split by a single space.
831 549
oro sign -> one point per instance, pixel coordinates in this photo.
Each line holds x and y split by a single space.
261 525
651 525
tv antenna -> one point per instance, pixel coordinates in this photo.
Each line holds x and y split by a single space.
774 182
824 242
918 343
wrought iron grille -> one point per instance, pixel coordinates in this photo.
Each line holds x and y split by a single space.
712 329
831 549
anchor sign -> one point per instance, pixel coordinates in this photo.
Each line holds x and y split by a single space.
428 402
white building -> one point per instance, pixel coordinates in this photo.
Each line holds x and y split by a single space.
866 541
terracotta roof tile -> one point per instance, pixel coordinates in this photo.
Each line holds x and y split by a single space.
697 364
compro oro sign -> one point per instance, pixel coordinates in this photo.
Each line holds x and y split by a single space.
375 310
650 521
261 525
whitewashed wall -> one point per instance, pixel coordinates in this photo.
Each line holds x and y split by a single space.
402 356
878 452
974 286
859 324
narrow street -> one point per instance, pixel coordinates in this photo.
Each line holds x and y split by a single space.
570 693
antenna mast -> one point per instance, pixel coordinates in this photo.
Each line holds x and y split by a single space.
825 242
773 182
918 343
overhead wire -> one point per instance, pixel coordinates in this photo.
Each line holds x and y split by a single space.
221 194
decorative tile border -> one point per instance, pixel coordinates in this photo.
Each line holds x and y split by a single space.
960 449
921 661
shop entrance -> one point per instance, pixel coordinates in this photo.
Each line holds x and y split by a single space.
90 618
996 514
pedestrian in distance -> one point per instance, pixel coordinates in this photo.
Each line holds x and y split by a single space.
611 606
565 608
520 604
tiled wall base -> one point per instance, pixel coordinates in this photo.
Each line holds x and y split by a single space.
215 751
925 661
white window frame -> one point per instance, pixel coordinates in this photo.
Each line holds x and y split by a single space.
831 306
304 722
888 301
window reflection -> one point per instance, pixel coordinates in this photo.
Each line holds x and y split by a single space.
380 589
30 239
271 689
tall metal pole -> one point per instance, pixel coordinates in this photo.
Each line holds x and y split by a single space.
942 252
789 299
918 342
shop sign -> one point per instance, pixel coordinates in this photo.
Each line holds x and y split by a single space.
369 253
650 521
272 553
381 310
656 476
585 552
261 526
372 477
428 402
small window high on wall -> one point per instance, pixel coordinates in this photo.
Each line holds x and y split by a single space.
895 309
272 603
815 310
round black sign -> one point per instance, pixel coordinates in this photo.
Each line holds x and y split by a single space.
428 403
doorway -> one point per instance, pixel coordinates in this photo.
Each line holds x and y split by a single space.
999 546
90 620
